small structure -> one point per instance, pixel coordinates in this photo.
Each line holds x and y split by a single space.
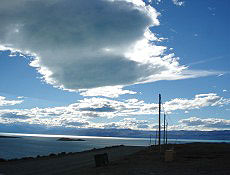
101 160
169 155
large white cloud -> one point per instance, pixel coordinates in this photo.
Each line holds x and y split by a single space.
88 44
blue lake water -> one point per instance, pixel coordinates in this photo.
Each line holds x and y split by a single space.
39 144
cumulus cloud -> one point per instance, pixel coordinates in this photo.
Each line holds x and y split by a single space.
88 44
59 116
5 102
211 123
111 91
13 116
102 107
79 114
200 100
128 123
82 113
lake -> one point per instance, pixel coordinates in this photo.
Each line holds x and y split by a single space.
31 145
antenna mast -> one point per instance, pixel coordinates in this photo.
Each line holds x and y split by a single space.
164 129
159 135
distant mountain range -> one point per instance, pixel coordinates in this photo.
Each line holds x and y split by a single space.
204 135
182 134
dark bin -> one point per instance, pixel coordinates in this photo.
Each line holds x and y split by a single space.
101 159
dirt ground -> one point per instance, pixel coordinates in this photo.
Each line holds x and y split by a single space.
63 163
190 159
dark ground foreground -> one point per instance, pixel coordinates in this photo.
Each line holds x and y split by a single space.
190 159
63 163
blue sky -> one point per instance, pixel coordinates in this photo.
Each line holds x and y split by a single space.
102 64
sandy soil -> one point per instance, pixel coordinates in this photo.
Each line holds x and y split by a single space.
190 159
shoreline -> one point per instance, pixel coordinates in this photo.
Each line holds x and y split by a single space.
60 154
64 153
8 137
190 158
146 137
64 163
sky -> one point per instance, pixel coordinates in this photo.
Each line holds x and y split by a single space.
102 64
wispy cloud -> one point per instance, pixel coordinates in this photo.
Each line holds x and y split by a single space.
178 2
21 97
5 102
208 60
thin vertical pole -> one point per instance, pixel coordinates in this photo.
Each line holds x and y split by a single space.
164 127
150 140
159 134
156 138
167 133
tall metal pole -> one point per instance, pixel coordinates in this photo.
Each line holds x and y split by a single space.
159 134
167 133
164 127
156 138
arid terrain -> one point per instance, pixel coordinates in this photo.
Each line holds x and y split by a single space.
189 159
